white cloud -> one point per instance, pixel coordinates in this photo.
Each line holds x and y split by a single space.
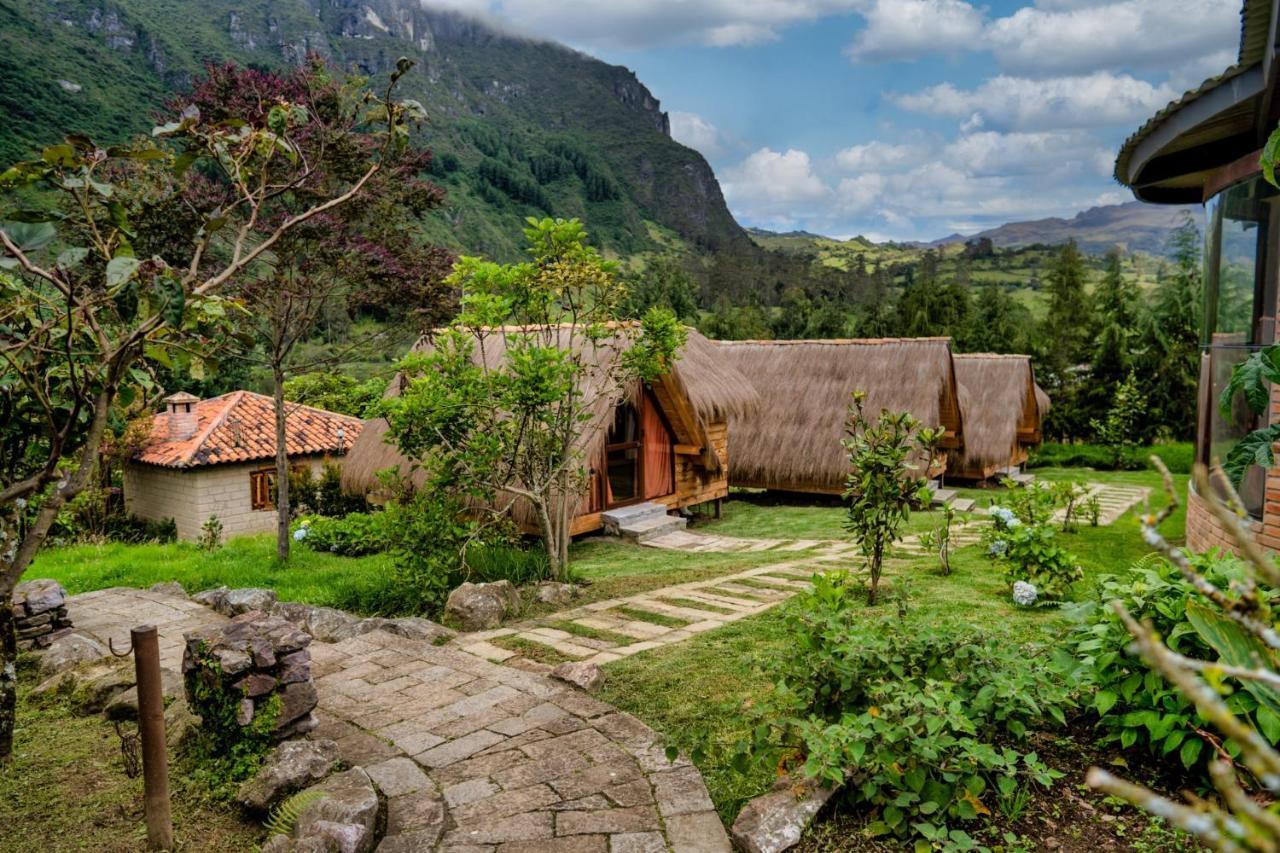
696 132
774 187
992 153
636 24
909 29
1018 103
877 155
1077 37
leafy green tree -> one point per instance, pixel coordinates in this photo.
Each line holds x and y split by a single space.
1121 430
998 323
485 430
100 281
1066 326
884 483
665 284
336 392
793 320
1168 348
351 256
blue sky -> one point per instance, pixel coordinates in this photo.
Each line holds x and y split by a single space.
900 119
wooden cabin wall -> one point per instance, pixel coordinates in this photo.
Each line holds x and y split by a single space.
695 484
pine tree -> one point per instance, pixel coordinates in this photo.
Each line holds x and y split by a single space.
1067 322
1116 304
1169 343
998 323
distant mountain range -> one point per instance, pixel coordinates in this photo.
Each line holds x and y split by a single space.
1133 226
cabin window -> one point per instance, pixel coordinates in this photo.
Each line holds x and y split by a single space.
262 488
1241 232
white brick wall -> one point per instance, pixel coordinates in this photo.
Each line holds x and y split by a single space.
190 496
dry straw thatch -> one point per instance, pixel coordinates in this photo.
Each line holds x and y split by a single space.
792 442
1000 402
714 391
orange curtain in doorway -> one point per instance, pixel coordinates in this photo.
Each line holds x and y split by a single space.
659 453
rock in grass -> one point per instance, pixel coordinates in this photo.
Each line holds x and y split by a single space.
588 676
291 766
479 606
68 652
552 592
775 821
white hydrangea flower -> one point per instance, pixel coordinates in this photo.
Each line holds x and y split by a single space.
300 534
1012 521
1024 593
998 548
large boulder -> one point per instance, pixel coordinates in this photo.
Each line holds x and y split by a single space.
417 628
291 766
238 601
68 652
124 705
479 606
775 821
213 598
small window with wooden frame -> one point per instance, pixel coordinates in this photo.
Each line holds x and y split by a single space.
262 488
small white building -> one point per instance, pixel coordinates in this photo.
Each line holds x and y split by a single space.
216 457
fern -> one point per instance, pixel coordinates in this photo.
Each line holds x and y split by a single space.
284 817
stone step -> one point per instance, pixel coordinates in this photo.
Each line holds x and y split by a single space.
1022 479
652 527
962 504
621 517
941 496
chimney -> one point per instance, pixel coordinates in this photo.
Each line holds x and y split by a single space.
182 415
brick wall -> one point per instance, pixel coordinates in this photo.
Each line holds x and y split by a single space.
1205 532
159 493
190 496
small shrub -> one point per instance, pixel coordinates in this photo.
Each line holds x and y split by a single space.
132 530
883 483
356 534
323 495
210 534
1032 555
921 724
939 539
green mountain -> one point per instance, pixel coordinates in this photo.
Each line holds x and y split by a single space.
519 127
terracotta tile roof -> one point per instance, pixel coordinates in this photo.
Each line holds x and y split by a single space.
240 427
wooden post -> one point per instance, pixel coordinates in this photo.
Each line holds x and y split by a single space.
719 508
155 760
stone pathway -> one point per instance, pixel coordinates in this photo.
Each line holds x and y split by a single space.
1114 500
500 760
699 543
660 617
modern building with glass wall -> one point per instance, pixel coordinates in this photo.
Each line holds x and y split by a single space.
1205 148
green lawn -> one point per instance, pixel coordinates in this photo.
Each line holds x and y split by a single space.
694 692
244 561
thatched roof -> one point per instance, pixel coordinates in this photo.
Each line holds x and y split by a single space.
999 402
714 393
792 441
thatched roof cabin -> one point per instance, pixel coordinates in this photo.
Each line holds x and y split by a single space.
792 442
1003 409
683 417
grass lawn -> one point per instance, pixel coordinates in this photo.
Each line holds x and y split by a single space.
310 577
66 790
694 692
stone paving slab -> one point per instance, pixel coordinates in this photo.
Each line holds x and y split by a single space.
510 760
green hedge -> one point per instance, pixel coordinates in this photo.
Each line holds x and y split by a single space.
1177 456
